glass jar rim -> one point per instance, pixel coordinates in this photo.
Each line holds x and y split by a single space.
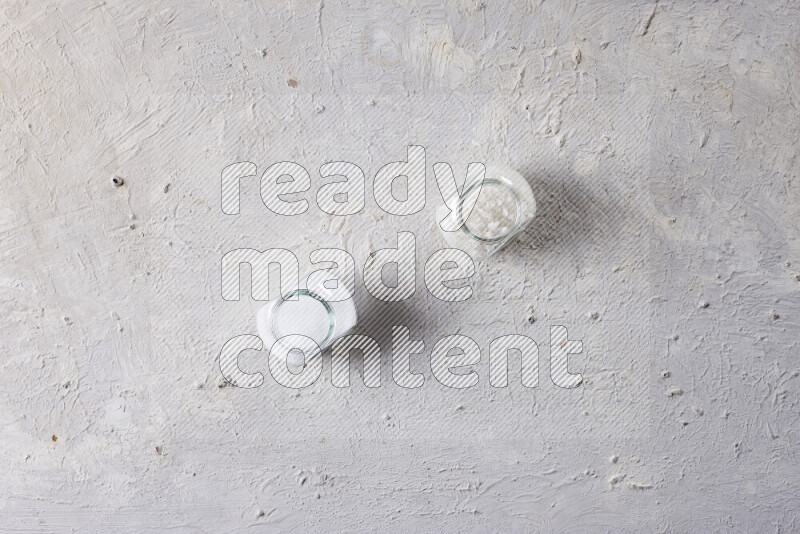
303 293
517 207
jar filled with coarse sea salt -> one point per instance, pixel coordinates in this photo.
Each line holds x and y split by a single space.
488 213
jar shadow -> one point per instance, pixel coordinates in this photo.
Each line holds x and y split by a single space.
571 218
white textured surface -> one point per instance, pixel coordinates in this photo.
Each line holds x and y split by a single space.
660 140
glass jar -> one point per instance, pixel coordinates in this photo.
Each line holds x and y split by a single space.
502 205
315 314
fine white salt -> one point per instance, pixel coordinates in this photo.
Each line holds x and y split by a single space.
306 316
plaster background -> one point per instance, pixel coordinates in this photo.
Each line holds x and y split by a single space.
660 140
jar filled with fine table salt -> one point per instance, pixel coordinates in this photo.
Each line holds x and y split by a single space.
489 212
310 318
